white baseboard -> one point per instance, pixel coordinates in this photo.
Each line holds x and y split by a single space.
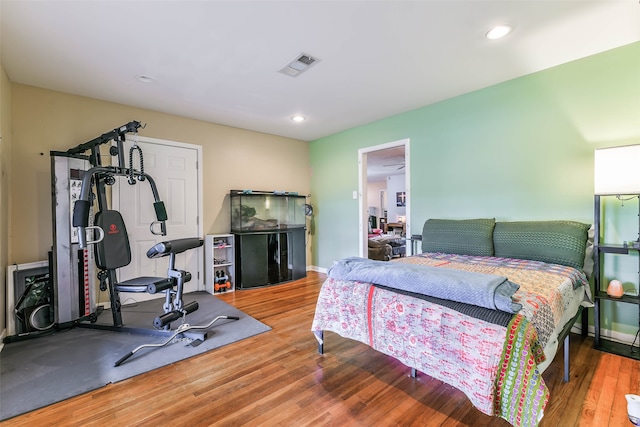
614 336
316 269
607 334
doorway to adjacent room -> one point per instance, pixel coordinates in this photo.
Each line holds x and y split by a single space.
383 190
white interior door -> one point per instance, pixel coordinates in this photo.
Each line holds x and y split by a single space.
174 168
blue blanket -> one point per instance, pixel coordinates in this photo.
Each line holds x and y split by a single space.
484 290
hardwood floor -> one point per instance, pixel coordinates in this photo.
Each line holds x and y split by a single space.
278 379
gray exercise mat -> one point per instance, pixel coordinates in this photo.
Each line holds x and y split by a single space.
38 372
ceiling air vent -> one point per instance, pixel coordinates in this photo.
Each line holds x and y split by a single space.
299 64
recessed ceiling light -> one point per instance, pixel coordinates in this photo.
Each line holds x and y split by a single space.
144 78
498 32
298 118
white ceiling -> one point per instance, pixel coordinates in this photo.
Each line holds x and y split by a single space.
384 163
218 61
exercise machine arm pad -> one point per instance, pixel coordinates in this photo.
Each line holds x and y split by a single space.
161 212
81 213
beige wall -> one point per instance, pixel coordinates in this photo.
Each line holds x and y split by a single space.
45 120
41 121
5 179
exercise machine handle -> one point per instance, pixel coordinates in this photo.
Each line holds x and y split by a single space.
155 231
100 234
161 216
123 359
82 206
82 236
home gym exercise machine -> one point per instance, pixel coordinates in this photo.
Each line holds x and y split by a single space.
75 175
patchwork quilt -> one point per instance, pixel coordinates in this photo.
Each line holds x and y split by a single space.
491 356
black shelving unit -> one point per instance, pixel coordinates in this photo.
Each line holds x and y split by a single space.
600 294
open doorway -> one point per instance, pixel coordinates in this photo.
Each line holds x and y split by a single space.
384 190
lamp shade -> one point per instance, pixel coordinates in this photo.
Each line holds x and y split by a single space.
617 170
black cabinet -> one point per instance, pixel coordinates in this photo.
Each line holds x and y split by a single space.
270 257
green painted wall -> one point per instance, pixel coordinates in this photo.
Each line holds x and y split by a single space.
519 150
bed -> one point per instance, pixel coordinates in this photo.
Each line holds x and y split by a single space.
483 308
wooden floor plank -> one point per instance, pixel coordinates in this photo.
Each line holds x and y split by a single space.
278 379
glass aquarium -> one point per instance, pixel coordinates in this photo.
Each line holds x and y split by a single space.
255 211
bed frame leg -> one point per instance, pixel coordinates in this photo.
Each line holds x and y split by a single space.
320 336
585 322
414 373
566 359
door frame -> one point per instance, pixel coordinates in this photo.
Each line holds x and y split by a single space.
363 216
198 275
